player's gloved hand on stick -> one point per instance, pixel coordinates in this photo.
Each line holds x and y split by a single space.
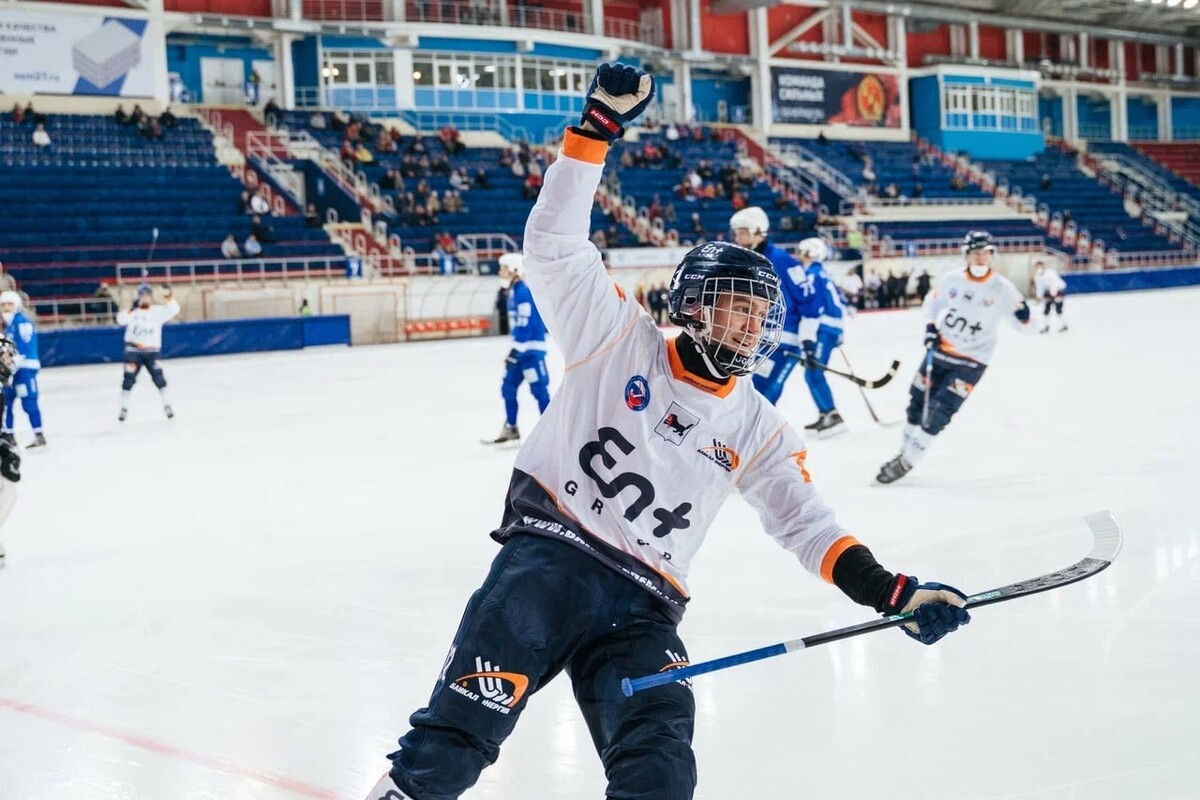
1022 312
808 353
513 358
931 336
937 608
618 95
10 462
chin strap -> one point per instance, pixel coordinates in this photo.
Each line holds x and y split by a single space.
712 370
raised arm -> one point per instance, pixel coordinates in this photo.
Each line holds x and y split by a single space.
581 305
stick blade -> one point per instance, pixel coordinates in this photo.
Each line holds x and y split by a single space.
1107 536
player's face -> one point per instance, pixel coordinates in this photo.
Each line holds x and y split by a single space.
738 321
981 259
742 237
8 308
144 300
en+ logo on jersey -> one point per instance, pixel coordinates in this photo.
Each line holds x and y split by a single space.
637 393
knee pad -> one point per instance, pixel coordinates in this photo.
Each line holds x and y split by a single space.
160 380
939 418
128 381
1058 306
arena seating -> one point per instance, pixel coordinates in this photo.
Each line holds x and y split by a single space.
68 216
892 163
942 230
645 183
1155 161
1093 207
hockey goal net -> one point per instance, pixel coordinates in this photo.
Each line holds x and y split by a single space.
377 311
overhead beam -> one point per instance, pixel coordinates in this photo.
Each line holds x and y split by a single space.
739 6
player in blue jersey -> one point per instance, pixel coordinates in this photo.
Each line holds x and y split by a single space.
526 360
822 314
10 459
21 330
750 227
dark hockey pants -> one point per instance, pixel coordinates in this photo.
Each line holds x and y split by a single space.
135 360
951 385
547 606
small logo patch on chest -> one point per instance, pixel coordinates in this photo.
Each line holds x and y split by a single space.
676 424
637 393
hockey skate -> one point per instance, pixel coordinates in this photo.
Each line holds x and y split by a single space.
1045 328
509 434
1 556
386 789
893 470
812 426
39 441
124 413
830 424
169 412
10 438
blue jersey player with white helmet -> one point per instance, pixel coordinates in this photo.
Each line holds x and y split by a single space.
526 361
21 330
822 314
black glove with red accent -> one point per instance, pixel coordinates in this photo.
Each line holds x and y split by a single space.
931 336
937 609
618 95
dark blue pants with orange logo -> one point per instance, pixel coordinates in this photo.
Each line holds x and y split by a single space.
951 384
546 607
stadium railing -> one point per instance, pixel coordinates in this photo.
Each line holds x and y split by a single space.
240 270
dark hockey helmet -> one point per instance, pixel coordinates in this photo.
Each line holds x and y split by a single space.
978 240
729 299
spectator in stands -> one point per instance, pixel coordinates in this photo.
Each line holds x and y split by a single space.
694 180
119 116
822 139
167 119
17 115
337 121
481 180
852 286
868 170
259 204
260 232
738 201
346 154
697 223
135 116
459 180
1046 182
451 139
654 211
433 204
416 147
669 214
305 308
317 121
918 190
599 239
423 217
391 180
252 247
271 113
1066 217
384 143
229 248
891 191
671 133
41 139
957 183
443 254
243 206
507 158
33 116
874 285
532 187
312 217
362 155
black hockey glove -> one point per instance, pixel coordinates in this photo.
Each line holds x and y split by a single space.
513 358
1022 313
931 336
618 95
937 608
808 353
10 462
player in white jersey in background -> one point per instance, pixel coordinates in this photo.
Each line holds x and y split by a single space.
1049 286
962 319
613 492
10 459
143 344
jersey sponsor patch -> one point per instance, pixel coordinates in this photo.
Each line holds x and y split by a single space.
722 455
637 393
676 424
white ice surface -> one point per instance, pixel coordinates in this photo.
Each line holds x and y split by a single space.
248 601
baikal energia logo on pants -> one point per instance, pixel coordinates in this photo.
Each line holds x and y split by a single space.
492 688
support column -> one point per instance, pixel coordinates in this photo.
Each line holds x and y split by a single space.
595 9
973 39
1015 47
1070 114
1117 118
1117 61
1179 60
694 30
397 11
847 24
1164 116
683 79
899 45
296 10
285 72
760 79
1085 55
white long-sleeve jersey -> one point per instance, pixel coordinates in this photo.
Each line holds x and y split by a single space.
635 455
1048 283
143 326
967 312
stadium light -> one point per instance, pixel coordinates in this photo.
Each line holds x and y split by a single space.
1173 3
1190 3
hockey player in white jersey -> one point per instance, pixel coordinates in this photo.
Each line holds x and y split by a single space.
613 492
1048 286
143 344
10 458
962 319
